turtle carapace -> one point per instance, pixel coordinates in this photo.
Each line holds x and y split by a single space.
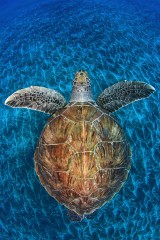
82 157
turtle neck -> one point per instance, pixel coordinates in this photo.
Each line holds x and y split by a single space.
81 91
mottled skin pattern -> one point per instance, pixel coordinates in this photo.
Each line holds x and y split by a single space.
82 158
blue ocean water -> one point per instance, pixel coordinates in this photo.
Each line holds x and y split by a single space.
44 42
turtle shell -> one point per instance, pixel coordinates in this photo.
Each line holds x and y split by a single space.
82 158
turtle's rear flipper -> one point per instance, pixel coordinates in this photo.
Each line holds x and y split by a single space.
123 93
73 216
37 98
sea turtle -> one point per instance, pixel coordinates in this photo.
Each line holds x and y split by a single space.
82 157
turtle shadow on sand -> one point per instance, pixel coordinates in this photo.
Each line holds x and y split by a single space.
82 158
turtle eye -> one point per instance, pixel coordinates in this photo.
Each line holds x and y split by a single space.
81 73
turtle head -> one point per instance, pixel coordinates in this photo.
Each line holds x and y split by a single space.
81 77
81 91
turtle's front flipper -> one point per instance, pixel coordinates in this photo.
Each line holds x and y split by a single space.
123 93
37 98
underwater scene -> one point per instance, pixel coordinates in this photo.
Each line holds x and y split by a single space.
44 43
